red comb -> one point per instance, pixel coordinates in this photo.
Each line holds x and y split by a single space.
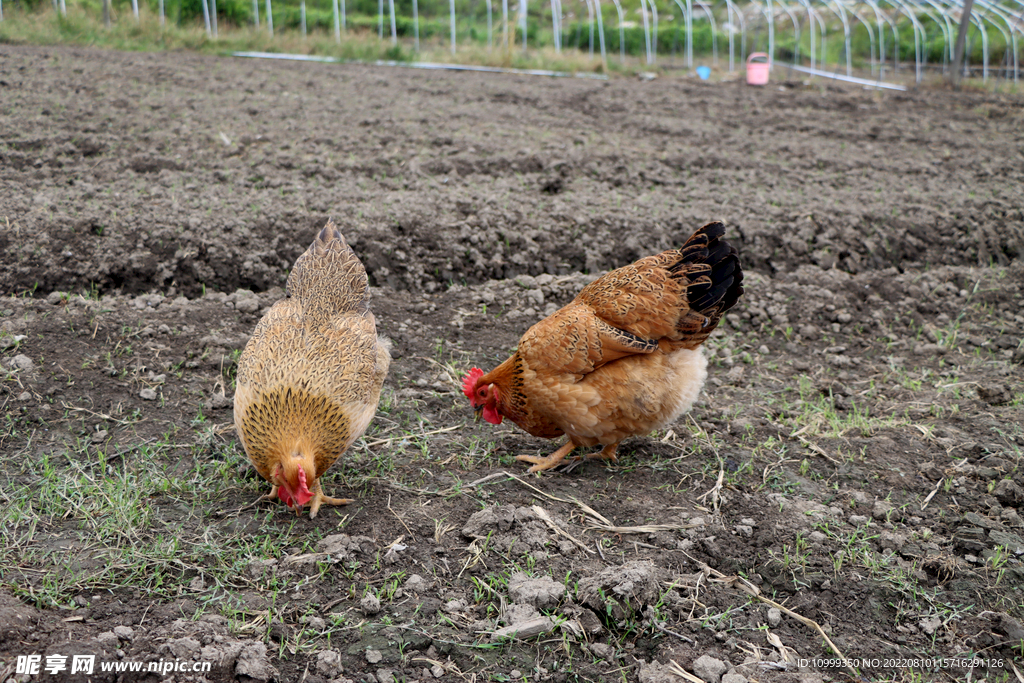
469 383
303 495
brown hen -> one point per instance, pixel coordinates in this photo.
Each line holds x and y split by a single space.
623 359
310 377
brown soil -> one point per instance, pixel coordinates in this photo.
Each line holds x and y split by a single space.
862 420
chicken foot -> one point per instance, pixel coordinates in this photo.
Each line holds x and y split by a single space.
320 499
606 453
315 502
546 463
268 496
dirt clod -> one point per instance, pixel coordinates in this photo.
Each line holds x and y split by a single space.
542 592
734 678
254 663
1009 493
622 591
709 669
328 663
21 362
370 604
995 394
525 629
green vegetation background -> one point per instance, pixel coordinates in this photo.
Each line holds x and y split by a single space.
362 16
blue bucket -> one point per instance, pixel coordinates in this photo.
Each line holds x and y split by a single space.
704 72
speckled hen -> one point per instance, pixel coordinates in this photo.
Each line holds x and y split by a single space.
309 379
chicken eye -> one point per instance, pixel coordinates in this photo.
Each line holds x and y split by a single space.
481 392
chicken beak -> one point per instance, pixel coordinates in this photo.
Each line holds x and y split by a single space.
293 501
479 413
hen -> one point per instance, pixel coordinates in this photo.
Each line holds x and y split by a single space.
309 379
623 359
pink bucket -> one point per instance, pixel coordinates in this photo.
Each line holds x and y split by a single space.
758 65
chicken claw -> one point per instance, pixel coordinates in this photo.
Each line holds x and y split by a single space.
606 453
546 463
268 496
320 499
272 496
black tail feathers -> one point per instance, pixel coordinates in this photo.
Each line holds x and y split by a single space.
713 268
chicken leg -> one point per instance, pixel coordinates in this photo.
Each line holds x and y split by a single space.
540 464
320 499
606 453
